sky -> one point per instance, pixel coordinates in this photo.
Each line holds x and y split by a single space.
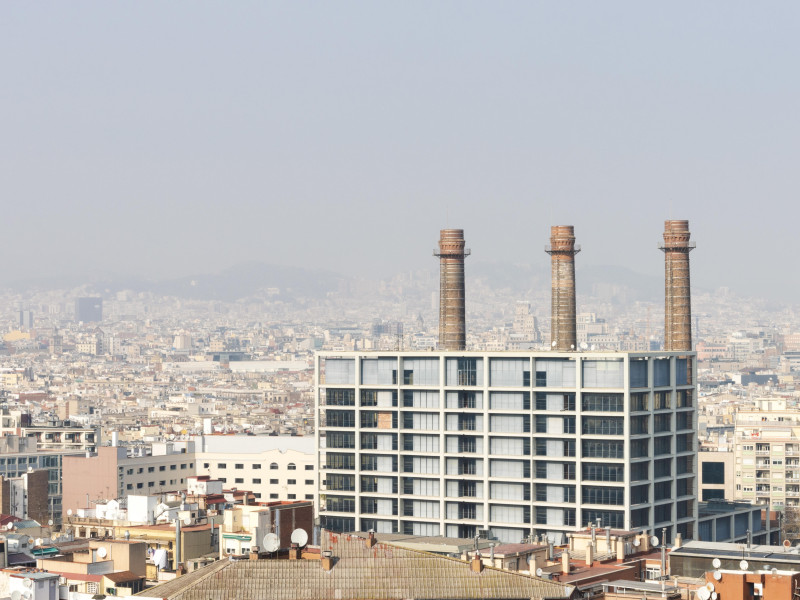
161 139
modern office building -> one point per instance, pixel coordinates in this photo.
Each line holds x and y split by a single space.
508 444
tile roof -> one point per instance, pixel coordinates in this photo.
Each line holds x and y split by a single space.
382 572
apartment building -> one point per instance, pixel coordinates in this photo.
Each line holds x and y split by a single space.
506 443
767 456
272 467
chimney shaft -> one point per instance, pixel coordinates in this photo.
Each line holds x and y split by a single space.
452 323
565 562
678 301
562 251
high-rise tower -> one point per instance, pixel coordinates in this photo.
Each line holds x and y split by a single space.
678 301
562 250
452 324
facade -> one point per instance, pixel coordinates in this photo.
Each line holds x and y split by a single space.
716 472
272 467
508 444
767 455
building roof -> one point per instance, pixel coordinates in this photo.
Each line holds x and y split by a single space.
383 572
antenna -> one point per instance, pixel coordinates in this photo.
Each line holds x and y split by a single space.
300 537
271 543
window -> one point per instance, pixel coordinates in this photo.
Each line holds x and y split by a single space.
292 482
309 482
162 482
309 496
130 471
273 496
273 482
129 486
309 467
140 470
150 469
274 466
713 472
292 467
238 480
222 466
292 496
206 465
183 465
238 466
173 467
162 468
257 480
139 486
151 484
256 466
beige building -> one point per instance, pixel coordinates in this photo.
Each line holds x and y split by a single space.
767 456
716 470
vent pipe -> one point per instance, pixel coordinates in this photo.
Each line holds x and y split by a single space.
562 251
677 288
452 323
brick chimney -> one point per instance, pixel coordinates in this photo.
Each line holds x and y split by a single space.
477 564
294 552
327 560
371 539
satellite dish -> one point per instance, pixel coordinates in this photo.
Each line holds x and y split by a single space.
637 542
710 586
50 522
654 541
716 563
714 596
10 526
69 512
539 572
743 565
39 541
271 542
299 537
27 582
703 594
187 521
553 344
15 595
101 552
717 575
787 543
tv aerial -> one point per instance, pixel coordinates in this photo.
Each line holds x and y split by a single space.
299 537
271 543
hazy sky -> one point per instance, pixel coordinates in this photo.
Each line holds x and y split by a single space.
165 138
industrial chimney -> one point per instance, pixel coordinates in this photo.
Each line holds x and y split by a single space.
562 251
678 301
452 324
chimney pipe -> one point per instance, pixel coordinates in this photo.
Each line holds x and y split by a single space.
589 554
477 563
371 539
678 301
565 562
562 251
452 324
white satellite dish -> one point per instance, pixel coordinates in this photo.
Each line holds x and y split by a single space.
710 586
102 552
553 344
50 522
743 565
714 596
271 542
69 512
717 575
716 563
300 537
654 541
539 572
27 582
39 541
187 521
15 595
10 526
637 542
703 594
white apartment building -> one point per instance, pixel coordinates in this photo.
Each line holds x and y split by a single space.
506 443
272 467
767 457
